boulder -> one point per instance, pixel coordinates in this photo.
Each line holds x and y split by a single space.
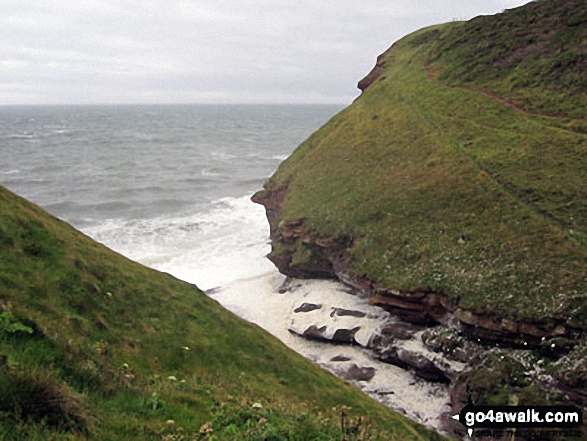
421 365
340 358
345 335
400 330
313 332
347 312
357 373
307 307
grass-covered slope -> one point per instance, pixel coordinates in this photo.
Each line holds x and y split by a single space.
95 346
443 182
536 55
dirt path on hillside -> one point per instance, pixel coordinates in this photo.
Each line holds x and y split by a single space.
516 107
432 78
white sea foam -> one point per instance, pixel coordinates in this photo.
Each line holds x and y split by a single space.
209 247
20 136
209 172
224 247
258 300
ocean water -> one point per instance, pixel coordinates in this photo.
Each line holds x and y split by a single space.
170 187
167 186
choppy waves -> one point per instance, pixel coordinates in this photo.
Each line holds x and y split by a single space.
209 246
168 186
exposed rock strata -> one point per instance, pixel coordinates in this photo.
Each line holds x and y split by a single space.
328 257
350 319
455 339
375 74
422 366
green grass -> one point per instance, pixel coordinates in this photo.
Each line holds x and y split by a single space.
95 346
536 55
442 188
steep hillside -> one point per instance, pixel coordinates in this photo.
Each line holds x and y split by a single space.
455 185
535 55
95 346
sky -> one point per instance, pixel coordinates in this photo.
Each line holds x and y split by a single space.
205 51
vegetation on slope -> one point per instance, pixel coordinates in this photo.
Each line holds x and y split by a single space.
535 55
93 345
443 187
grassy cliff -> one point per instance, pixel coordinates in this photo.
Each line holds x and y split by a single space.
94 346
457 177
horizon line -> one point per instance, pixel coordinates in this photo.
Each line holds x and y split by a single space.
168 104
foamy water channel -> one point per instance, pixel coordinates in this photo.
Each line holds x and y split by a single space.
259 300
223 249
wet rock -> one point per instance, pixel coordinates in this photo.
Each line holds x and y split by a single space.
422 366
340 358
307 307
459 393
400 330
313 332
569 374
289 285
379 343
449 343
384 392
357 373
345 335
346 312
500 374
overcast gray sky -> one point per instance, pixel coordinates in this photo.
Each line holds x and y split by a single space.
205 51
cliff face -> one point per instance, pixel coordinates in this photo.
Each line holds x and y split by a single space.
451 199
300 253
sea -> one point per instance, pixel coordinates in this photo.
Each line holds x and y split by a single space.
170 187
167 186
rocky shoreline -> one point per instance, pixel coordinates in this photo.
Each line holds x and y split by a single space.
487 359
329 259
385 338
337 330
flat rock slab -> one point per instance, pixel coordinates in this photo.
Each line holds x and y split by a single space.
340 358
307 307
336 316
347 312
357 373
421 365
400 330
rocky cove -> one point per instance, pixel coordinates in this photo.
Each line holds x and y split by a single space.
339 331
328 258
415 352
432 201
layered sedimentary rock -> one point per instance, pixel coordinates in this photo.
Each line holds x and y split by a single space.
451 194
